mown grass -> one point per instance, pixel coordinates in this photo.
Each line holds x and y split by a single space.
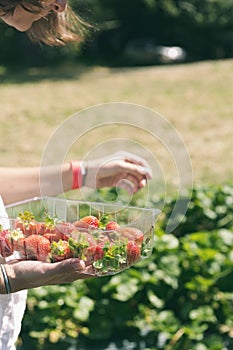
196 98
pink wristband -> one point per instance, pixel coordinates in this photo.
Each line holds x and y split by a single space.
77 175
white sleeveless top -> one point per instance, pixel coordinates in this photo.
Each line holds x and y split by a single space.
12 307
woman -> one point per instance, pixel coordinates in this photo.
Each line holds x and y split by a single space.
49 22
52 23
126 171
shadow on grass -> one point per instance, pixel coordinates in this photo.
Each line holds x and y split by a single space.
36 74
67 70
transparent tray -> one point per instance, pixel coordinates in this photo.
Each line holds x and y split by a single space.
61 228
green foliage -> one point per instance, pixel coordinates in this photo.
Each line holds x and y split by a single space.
216 12
210 208
203 27
179 299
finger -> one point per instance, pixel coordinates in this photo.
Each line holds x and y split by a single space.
131 184
79 266
136 182
132 158
81 271
137 170
127 186
142 183
73 265
136 160
89 271
70 270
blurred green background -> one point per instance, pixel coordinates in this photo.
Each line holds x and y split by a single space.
203 28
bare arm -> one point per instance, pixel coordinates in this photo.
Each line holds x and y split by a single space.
121 170
17 184
32 274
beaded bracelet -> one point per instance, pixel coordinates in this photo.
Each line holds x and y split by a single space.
6 279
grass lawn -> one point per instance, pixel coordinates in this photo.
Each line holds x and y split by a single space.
196 98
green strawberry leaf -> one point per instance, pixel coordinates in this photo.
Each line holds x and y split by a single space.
26 216
103 220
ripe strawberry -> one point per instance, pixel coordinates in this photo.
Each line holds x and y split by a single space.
132 234
94 253
37 247
54 236
17 239
61 231
99 253
28 228
80 237
6 247
65 228
43 228
60 251
91 221
111 226
26 223
83 226
133 253
48 226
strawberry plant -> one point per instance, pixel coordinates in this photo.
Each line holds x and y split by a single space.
210 208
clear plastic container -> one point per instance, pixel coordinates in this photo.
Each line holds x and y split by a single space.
60 229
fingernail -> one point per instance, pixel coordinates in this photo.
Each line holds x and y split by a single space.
143 183
148 172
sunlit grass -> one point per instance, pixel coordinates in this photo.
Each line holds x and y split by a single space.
196 98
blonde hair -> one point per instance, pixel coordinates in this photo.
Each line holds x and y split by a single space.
54 29
57 29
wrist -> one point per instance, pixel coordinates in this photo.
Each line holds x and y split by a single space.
5 280
2 284
29 274
78 170
84 172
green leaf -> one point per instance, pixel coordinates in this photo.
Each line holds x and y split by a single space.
126 291
83 309
226 236
155 301
203 314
